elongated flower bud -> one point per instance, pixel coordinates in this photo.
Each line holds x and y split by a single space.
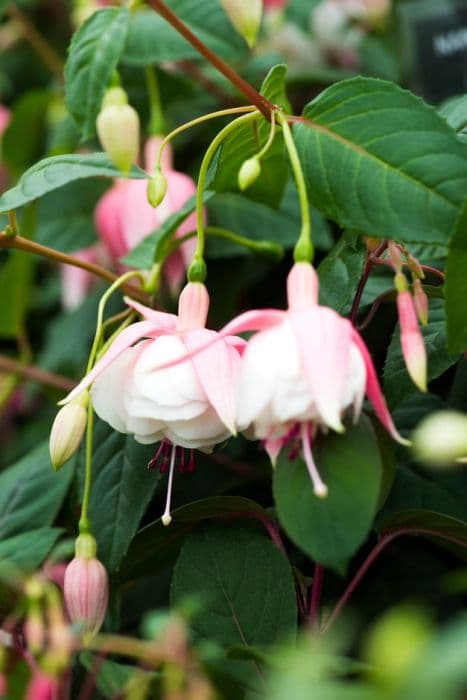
412 343
157 187
249 173
245 16
42 687
420 301
441 439
117 126
68 430
86 587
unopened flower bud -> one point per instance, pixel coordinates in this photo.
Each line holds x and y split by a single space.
68 430
371 243
42 687
420 301
412 342
156 189
395 256
34 629
441 439
245 16
117 126
86 587
249 173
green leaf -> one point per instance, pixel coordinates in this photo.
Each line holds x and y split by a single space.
245 582
340 271
29 549
121 491
330 530
22 145
456 285
51 173
247 140
66 216
454 111
93 56
152 40
154 544
380 161
397 383
143 255
15 285
31 493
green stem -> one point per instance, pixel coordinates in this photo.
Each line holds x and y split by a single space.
197 269
199 120
272 133
84 525
303 251
267 248
100 313
156 119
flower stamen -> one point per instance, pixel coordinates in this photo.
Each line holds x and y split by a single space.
319 487
166 517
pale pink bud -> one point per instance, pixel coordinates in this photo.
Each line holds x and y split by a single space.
412 343
42 687
302 287
86 587
421 302
245 16
249 173
117 126
193 307
68 430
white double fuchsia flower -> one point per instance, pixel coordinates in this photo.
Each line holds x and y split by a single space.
303 369
188 405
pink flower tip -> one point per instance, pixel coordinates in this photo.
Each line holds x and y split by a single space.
86 591
193 307
302 287
412 342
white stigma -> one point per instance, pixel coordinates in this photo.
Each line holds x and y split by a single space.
319 487
166 517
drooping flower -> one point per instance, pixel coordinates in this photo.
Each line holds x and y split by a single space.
304 368
190 405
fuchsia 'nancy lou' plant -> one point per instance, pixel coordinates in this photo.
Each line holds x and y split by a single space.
281 320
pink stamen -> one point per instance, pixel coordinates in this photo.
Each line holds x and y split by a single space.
166 516
319 487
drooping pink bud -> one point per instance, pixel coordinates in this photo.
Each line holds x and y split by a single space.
117 126
421 302
395 256
86 587
193 307
42 687
302 287
412 343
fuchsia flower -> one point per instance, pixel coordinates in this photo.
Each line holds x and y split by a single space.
86 593
303 369
123 216
190 405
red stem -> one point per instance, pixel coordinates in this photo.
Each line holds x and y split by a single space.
316 590
364 279
373 555
426 268
252 95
